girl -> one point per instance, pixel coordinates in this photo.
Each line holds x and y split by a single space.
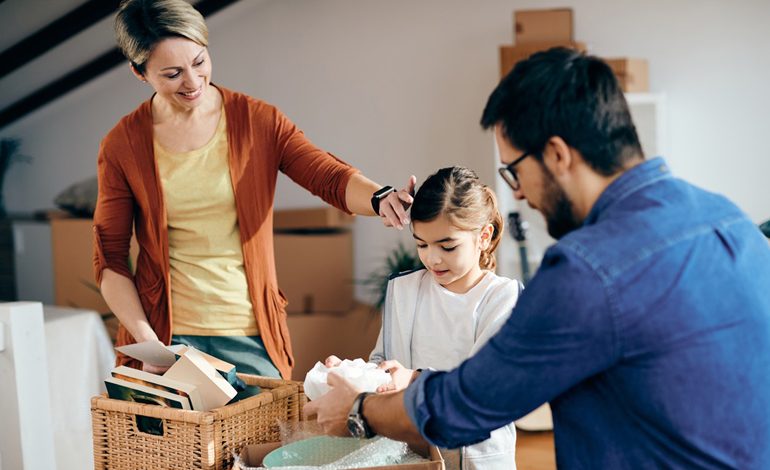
438 316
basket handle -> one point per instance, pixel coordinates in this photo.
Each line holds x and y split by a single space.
150 425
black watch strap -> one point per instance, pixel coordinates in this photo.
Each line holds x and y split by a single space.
361 426
379 195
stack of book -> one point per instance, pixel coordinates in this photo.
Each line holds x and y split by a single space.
194 380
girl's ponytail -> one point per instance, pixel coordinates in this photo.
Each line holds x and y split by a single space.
487 259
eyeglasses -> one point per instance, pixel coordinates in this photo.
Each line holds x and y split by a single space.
509 173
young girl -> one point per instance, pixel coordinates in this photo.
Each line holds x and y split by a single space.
438 316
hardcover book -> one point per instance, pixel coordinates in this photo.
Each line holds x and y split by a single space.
193 368
160 382
130 391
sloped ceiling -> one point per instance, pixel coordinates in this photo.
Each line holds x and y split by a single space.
23 19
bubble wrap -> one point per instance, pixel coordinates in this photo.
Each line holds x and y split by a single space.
374 452
305 447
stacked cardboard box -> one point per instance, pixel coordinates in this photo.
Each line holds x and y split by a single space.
348 335
540 30
314 259
632 74
314 262
535 31
72 249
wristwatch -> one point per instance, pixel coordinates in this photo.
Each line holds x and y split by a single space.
357 424
379 195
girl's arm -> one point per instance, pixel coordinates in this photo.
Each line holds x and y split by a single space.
378 353
496 311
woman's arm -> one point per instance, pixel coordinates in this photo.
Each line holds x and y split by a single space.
121 296
331 179
358 197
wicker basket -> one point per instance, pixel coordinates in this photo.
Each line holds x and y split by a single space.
191 439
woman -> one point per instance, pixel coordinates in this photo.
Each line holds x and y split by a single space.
194 170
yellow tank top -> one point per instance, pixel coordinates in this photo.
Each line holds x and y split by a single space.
209 293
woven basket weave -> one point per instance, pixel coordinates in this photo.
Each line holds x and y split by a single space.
192 439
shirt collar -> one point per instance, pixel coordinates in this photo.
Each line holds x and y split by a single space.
629 182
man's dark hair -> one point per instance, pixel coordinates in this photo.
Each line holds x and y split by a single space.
564 93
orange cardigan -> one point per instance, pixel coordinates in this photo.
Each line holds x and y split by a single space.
262 141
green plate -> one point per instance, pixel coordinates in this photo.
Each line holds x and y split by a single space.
319 450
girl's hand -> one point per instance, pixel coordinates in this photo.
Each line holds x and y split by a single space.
332 361
393 208
400 375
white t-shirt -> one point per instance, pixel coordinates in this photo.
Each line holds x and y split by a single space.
450 327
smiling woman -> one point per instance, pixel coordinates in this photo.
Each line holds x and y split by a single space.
193 170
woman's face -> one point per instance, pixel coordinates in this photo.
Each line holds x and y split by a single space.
180 72
450 254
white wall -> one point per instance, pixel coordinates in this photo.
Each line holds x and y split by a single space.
397 87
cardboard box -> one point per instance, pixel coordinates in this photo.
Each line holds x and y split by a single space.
551 25
510 55
314 259
315 271
350 335
72 249
632 74
311 219
253 454
72 243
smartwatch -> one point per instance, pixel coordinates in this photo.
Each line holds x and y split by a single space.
379 195
357 425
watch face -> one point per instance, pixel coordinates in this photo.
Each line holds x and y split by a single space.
356 427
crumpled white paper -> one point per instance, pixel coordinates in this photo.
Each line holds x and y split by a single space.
365 376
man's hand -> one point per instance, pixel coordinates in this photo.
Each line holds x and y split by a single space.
400 375
393 208
332 409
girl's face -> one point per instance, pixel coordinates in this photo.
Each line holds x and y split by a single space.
451 254
180 72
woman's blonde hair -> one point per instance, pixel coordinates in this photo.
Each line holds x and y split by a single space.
468 204
141 24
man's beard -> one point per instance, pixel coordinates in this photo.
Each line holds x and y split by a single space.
557 209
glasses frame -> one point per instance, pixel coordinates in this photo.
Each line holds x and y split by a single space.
508 172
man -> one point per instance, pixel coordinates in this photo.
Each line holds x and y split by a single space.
647 326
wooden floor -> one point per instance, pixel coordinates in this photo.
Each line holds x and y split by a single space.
534 450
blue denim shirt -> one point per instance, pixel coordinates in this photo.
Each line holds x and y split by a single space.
647 330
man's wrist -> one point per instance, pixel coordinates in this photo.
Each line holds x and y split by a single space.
357 423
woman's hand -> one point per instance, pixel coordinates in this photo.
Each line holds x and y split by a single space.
153 369
401 376
393 208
